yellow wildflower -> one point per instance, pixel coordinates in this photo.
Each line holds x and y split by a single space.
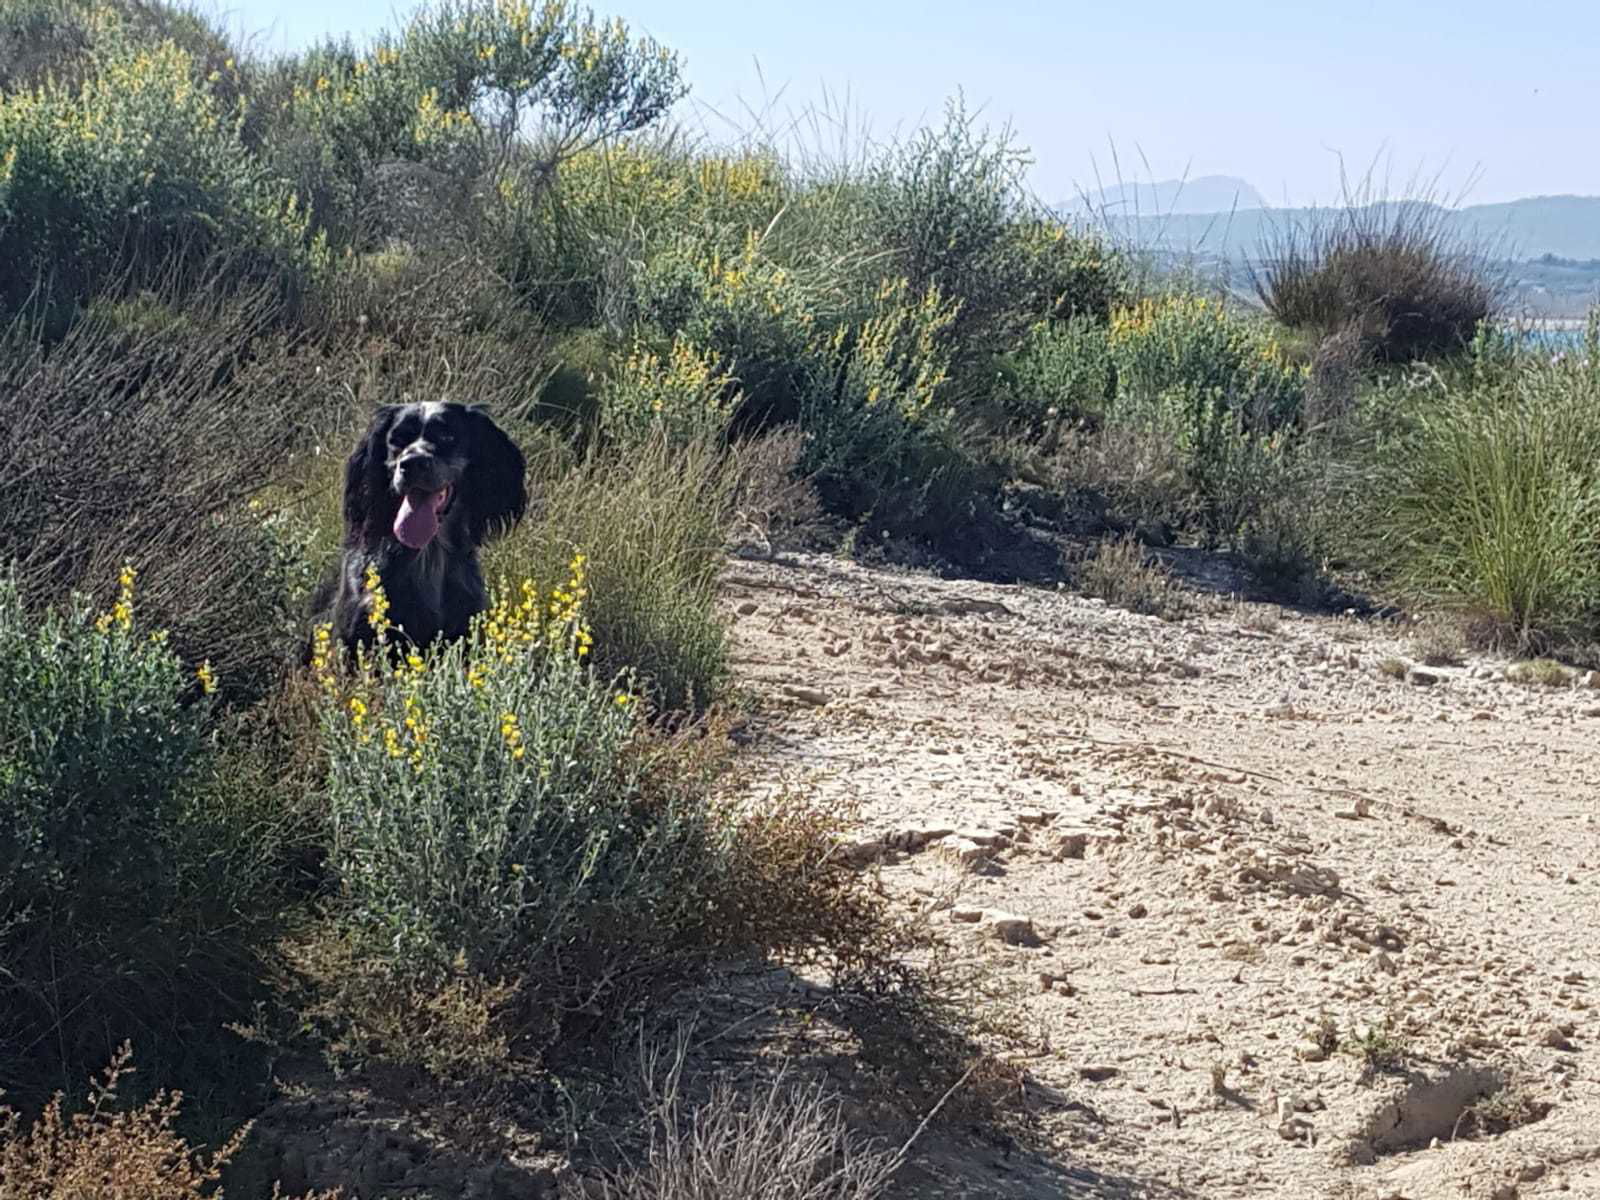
208 681
378 603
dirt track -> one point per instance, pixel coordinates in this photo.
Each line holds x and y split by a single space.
1226 840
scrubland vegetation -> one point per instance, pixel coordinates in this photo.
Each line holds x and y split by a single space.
217 263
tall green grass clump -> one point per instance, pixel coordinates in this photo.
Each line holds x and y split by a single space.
128 896
1388 270
485 811
1489 500
652 514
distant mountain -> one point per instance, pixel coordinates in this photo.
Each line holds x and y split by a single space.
1562 226
1207 194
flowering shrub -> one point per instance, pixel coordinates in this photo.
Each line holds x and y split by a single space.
98 744
1063 372
1067 273
761 317
878 414
683 394
128 883
139 166
1198 345
483 806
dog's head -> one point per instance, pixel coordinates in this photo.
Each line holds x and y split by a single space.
432 470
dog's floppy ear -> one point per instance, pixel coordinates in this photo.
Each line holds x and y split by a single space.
495 485
368 505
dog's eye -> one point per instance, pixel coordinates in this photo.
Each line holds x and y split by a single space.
441 438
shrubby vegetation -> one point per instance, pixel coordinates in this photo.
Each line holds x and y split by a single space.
221 262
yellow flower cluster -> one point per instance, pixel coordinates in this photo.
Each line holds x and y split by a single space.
685 387
435 123
511 734
322 657
385 702
742 190
1178 321
900 349
121 614
377 604
513 625
207 678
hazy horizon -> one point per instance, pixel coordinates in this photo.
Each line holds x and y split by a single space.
1478 109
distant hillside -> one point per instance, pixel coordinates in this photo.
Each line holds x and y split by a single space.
1207 194
1563 226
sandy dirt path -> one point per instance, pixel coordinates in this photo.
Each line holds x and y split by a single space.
1219 863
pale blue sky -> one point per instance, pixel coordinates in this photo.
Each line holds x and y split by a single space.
1503 96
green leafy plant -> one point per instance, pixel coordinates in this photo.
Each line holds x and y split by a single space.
484 809
130 900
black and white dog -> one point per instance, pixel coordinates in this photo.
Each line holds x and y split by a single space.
427 485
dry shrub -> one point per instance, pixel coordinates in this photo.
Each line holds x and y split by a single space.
1120 574
785 1140
773 495
1507 1108
140 438
1338 367
408 297
454 1027
132 1155
1439 643
1540 672
1138 472
793 893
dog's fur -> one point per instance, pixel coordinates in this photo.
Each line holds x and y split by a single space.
409 456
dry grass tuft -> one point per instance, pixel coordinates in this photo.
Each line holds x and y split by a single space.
1122 576
1540 672
782 1140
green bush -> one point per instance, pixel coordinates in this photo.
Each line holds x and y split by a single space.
1488 499
138 171
1199 345
1220 387
423 135
883 440
762 318
131 892
331 121
946 205
1199 405
571 237
1063 372
485 811
1068 274
682 396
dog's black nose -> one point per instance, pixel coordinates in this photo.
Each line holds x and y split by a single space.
412 464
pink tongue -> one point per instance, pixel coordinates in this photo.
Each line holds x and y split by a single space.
418 519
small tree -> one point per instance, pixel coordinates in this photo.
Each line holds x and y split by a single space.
521 68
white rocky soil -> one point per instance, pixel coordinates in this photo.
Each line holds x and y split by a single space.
1208 859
